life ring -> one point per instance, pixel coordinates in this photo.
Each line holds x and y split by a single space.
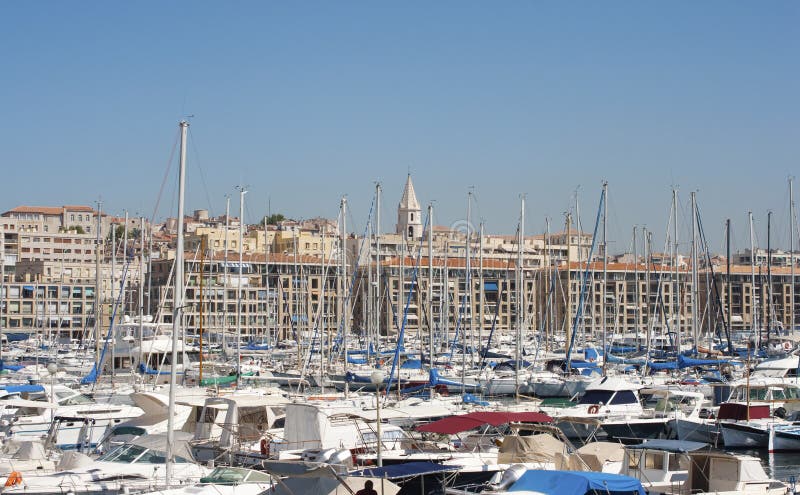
787 346
264 446
593 409
14 479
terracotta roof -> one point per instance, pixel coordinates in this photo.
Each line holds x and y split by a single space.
255 258
45 210
50 210
451 262
759 271
597 266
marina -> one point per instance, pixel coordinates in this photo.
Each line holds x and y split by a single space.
430 248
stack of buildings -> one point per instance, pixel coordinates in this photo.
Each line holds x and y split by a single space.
297 279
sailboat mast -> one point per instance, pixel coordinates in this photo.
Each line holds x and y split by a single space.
695 321
431 346
200 333
468 287
242 192
520 296
481 294
791 256
225 273
177 307
769 315
728 298
141 285
378 292
342 282
753 302
677 291
568 313
605 274
98 291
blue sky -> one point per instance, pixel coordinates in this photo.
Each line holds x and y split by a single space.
308 101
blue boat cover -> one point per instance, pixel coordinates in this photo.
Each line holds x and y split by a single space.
12 367
21 389
405 470
471 399
412 364
576 483
669 365
687 362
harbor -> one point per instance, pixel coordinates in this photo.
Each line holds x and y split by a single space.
442 248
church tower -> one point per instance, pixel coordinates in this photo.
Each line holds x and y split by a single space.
409 221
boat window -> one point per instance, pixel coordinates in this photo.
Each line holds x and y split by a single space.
129 430
126 453
758 394
152 457
624 397
678 462
225 476
596 397
778 394
792 392
69 398
633 461
653 460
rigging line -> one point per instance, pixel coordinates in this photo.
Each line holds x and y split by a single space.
166 176
202 172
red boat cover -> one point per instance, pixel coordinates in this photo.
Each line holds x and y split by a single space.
738 411
457 424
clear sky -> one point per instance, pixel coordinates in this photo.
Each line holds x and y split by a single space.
308 101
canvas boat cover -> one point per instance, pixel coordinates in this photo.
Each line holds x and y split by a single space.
465 422
533 448
576 483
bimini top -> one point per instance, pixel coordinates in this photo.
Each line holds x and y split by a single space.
576 483
464 422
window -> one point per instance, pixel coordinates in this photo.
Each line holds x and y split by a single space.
624 397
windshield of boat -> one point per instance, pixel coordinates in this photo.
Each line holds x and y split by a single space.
232 476
70 398
129 453
596 397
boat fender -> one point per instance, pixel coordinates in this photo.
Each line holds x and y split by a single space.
14 479
264 446
787 346
593 409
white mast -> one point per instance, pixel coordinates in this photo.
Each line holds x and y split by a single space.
141 286
225 273
242 192
343 282
481 293
695 278
98 291
753 303
677 292
177 307
378 293
468 293
605 272
520 295
431 346
791 256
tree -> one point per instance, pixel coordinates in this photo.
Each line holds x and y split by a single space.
274 219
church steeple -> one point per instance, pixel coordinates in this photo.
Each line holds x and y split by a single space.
409 221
